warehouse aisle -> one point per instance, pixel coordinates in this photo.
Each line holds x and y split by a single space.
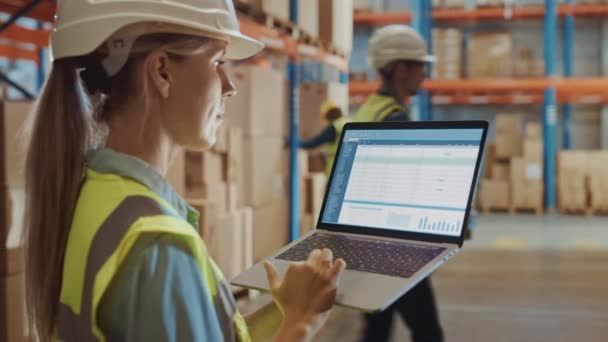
522 278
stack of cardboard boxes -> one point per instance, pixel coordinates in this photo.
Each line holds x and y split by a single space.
12 201
527 185
448 3
447 46
514 169
490 55
336 24
260 112
525 64
582 181
312 189
598 181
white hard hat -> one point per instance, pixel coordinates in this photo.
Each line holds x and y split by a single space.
397 42
82 26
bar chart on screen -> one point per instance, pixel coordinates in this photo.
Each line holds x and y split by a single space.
426 224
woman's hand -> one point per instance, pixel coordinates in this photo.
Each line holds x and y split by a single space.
306 294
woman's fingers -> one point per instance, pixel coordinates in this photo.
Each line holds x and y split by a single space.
272 274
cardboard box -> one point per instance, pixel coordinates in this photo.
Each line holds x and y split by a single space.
490 159
176 174
508 146
308 16
277 8
573 162
233 197
221 141
270 228
12 213
533 150
523 170
208 217
258 110
500 170
315 190
598 163
13 321
518 170
13 116
336 24
534 130
316 162
572 192
312 97
265 171
527 194
490 55
495 194
227 248
307 224
598 185
509 123
303 163
235 168
202 168
247 219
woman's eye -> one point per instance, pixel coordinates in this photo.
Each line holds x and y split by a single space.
220 63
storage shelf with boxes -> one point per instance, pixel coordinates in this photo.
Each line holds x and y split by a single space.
513 180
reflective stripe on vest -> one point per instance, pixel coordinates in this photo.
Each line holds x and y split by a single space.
79 327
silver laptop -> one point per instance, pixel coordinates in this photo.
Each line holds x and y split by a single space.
395 208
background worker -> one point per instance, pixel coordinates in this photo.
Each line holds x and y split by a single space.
400 56
112 252
330 135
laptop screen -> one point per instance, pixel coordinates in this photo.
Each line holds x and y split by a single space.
411 180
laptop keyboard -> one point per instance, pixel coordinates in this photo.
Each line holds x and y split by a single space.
381 257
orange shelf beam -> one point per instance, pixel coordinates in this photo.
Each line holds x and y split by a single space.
21 34
482 14
13 52
483 86
502 91
379 19
44 11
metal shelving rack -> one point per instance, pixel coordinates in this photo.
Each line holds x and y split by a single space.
276 42
549 91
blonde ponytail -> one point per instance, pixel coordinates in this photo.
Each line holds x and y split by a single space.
61 132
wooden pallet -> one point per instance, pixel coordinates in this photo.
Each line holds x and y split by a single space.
599 211
527 210
495 209
576 211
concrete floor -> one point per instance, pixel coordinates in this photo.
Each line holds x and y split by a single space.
521 278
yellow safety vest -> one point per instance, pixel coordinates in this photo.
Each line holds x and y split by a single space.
332 147
111 213
377 108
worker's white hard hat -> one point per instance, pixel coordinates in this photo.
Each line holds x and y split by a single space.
397 42
83 25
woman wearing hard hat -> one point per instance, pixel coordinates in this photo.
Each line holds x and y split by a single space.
112 251
329 136
400 56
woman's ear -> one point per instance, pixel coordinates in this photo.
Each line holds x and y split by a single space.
158 69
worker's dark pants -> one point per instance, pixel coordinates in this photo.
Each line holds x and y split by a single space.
418 309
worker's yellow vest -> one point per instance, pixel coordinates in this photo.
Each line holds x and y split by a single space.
377 108
332 148
111 213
